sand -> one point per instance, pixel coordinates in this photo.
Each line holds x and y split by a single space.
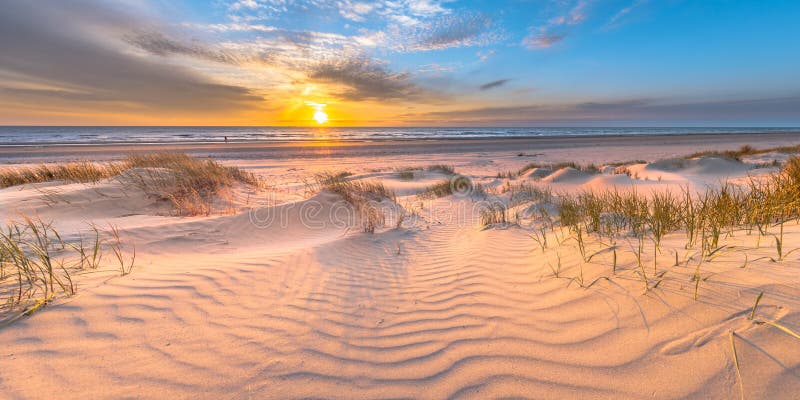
271 299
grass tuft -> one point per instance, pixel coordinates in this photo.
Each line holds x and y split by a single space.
36 265
364 196
442 168
189 183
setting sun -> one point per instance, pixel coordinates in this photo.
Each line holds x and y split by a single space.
320 117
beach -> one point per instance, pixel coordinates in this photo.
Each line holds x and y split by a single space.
285 289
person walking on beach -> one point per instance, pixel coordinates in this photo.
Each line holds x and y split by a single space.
226 139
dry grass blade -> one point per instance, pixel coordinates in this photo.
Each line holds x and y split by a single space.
736 364
758 299
124 267
779 326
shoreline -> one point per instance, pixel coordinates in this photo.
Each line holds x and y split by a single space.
378 140
12 154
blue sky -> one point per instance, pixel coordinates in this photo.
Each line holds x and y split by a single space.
401 62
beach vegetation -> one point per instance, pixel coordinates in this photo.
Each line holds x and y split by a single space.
365 196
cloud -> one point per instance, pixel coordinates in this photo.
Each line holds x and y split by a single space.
484 55
461 30
365 79
355 11
232 27
426 8
242 4
631 111
408 25
542 40
555 30
616 19
493 84
404 20
63 51
576 15
437 69
159 44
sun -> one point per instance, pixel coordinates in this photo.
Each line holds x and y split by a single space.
320 117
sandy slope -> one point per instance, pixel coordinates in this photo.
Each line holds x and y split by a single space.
222 307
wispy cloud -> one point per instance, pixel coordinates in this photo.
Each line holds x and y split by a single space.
556 28
244 4
618 18
459 30
576 15
426 8
437 69
355 11
159 44
484 55
364 79
542 40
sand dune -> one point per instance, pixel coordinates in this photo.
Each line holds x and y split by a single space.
275 300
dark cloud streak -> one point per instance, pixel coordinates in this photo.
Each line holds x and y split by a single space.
493 84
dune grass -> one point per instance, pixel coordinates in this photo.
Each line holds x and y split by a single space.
743 151
440 189
442 168
36 264
189 183
457 185
556 166
74 172
364 196
493 213
762 206
406 174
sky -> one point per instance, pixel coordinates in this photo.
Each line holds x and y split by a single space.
400 62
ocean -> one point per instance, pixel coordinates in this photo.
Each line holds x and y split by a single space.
44 135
